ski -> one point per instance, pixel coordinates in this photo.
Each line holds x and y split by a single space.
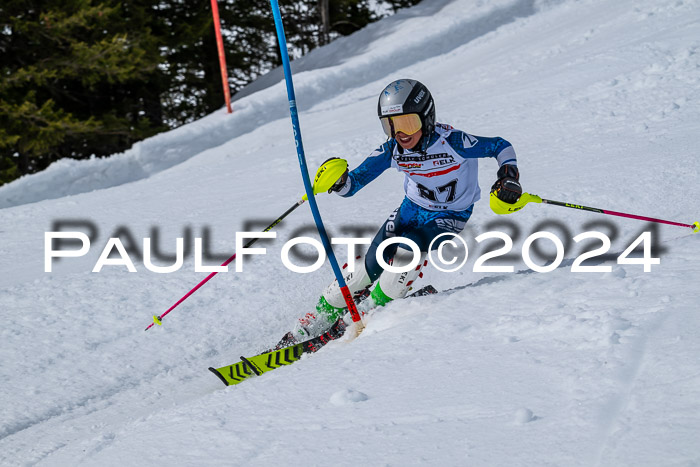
266 361
249 367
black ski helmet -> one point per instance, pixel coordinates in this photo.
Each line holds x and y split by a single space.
408 96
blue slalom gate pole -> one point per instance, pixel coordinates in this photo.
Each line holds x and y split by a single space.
302 162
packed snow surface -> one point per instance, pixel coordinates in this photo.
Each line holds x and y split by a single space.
600 100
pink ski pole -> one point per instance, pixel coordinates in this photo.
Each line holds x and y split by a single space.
159 319
695 226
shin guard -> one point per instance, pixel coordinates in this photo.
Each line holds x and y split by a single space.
393 285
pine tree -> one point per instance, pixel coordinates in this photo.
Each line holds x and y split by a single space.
70 82
396 5
192 58
80 78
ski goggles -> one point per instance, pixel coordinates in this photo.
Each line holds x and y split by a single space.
407 124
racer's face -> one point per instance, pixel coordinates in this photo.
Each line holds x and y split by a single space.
408 141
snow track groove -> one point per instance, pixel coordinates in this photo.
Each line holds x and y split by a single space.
618 403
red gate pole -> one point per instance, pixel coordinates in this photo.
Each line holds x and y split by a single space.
222 57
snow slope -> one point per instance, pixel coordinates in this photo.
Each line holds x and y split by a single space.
600 100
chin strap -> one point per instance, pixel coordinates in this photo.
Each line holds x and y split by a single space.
423 144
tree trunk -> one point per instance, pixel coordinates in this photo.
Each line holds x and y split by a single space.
323 8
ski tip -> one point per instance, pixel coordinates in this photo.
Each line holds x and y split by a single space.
219 375
696 227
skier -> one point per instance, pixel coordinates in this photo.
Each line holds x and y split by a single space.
440 165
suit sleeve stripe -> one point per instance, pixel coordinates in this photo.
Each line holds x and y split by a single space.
371 168
507 155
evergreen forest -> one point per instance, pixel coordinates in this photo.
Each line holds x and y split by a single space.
89 78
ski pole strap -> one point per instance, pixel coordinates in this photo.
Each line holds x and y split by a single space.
695 226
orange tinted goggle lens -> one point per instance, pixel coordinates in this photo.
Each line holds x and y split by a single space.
407 124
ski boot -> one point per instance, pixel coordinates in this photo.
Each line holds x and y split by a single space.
335 332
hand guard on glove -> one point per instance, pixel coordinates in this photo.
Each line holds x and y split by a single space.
507 187
337 186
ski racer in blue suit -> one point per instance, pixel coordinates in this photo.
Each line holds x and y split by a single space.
440 165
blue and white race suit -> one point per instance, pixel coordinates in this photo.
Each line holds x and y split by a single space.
441 185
